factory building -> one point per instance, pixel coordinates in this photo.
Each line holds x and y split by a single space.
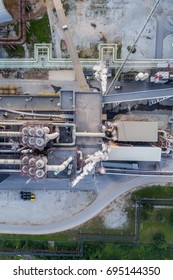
52 136
137 131
134 141
125 153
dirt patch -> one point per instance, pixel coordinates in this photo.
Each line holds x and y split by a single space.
115 215
37 8
12 7
36 74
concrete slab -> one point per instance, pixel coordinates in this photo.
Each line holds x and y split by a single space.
62 75
67 100
88 119
88 111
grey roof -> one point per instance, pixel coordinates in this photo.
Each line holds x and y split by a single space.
4 14
137 131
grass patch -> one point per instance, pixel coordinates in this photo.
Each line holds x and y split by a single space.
134 252
159 221
153 192
39 31
16 51
67 235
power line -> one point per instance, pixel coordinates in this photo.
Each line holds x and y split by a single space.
133 46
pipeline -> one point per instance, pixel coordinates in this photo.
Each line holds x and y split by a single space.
2 171
10 161
10 134
63 117
22 27
59 168
51 136
89 134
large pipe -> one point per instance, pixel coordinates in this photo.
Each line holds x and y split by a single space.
10 161
9 171
59 168
10 133
62 116
52 136
90 134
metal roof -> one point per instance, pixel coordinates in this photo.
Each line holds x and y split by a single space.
126 153
4 14
137 131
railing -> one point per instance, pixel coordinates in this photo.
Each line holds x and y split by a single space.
43 58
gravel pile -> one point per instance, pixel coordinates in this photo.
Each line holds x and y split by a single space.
115 216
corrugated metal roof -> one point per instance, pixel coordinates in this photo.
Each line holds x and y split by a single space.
138 131
124 153
4 14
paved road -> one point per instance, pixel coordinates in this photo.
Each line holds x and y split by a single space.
40 86
103 199
138 95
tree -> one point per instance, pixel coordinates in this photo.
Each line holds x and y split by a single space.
160 241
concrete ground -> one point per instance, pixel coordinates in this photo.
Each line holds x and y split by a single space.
50 206
107 21
61 75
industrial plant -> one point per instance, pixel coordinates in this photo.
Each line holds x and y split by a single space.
70 135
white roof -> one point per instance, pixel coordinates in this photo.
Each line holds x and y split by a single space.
127 153
4 14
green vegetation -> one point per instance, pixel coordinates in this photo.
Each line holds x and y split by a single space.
160 241
153 192
15 51
159 222
64 236
39 31
112 251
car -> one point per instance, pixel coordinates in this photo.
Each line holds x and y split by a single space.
65 27
27 196
32 197
118 87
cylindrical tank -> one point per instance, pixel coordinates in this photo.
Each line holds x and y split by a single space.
39 132
32 161
40 173
40 163
39 142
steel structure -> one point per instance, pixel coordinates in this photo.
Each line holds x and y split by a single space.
70 45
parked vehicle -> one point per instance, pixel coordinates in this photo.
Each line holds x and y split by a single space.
27 196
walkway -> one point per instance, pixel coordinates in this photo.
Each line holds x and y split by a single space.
43 59
159 94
